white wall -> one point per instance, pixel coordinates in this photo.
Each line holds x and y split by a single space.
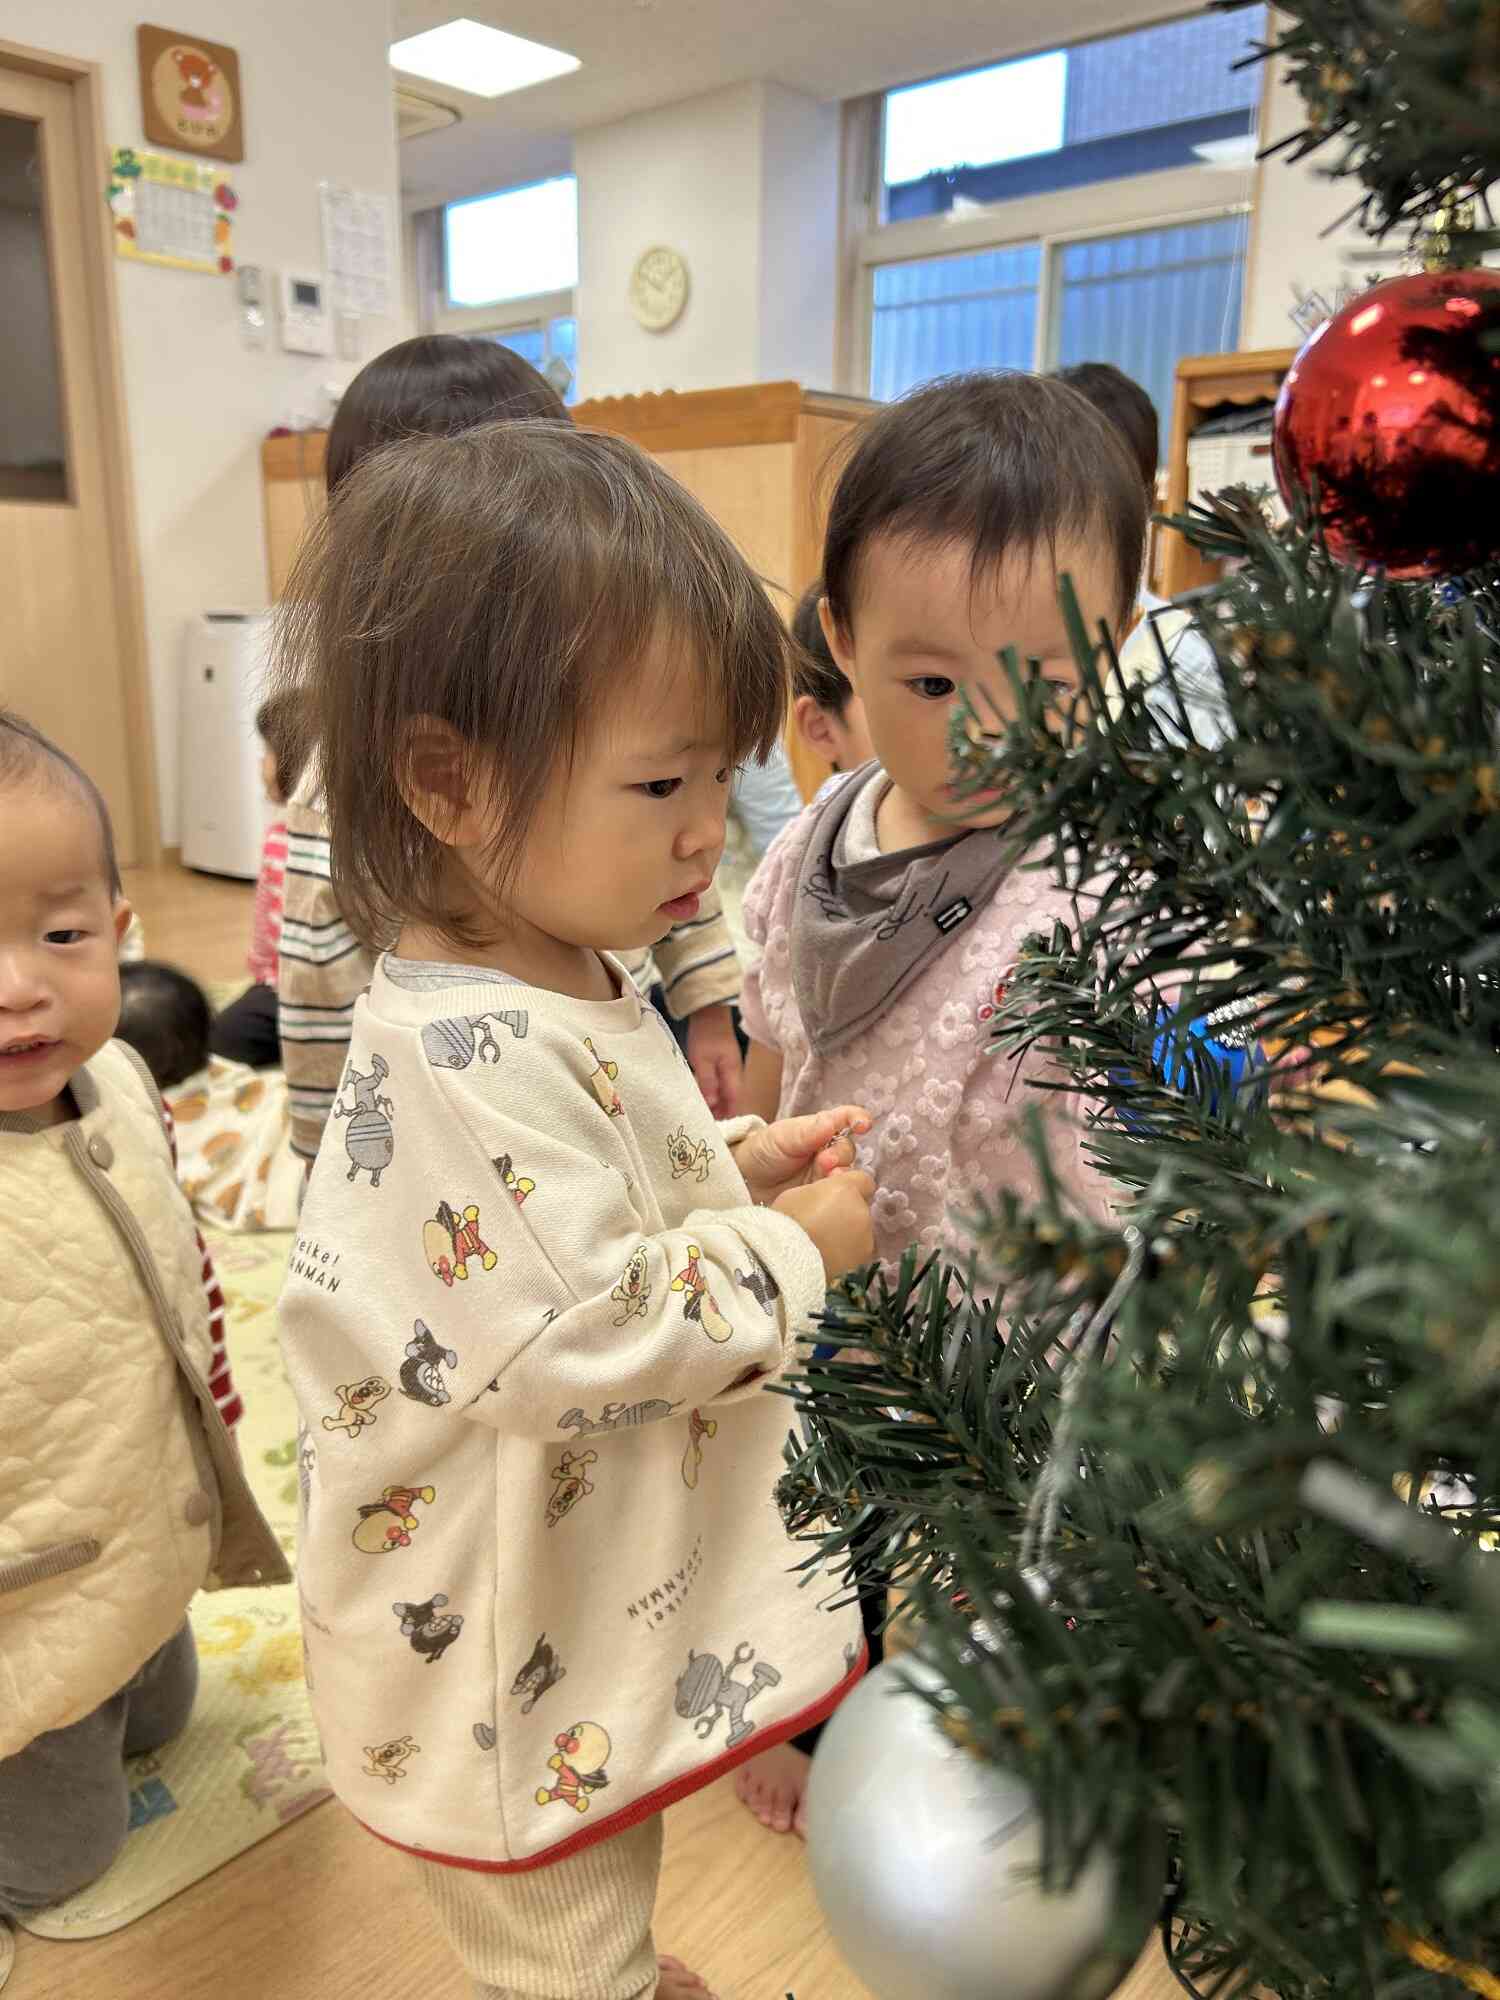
799 231
1294 206
317 104
744 183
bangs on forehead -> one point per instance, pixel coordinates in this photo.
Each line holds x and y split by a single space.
1008 464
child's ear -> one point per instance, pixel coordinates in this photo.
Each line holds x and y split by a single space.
122 916
435 777
817 731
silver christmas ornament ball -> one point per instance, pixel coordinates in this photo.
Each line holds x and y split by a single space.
926 1861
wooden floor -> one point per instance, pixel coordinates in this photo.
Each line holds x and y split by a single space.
322 1909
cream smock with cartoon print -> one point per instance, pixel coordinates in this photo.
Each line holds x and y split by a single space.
529 1320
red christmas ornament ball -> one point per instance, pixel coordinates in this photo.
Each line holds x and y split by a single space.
1390 418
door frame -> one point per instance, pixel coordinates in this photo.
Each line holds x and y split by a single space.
86 81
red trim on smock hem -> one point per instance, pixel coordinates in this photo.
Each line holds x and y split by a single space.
654 1802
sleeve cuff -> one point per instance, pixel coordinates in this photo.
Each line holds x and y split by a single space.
732 1130
792 1258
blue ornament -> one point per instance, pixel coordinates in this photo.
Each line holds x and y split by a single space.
1208 1048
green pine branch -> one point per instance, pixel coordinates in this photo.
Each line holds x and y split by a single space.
1403 95
1196 1510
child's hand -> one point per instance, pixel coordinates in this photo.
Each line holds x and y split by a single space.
835 1212
714 1056
795 1151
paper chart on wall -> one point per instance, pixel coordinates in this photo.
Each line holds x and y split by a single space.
356 248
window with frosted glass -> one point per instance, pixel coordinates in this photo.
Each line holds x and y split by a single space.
939 315
1145 299
33 456
512 245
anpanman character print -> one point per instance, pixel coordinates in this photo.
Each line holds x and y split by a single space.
422 1370
357 1402
633 1293
454 1043
573 1484
699 1305
452 1242
388 1760
602 1078
687 1156
517 1186
699 1428
583 1750
388 1524
370 1140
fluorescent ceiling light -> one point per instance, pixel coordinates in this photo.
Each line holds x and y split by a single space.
466 55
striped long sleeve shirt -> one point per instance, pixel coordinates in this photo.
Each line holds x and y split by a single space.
220 1381
323 970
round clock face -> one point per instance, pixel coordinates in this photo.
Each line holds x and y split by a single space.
658 288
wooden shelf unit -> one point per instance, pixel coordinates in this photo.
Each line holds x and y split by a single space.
1204 383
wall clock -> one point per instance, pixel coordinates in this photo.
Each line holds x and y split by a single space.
659 288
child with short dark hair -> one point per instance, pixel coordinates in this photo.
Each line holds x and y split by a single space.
113 1383
165 1017
825 707
537 1292
891 914
232 1129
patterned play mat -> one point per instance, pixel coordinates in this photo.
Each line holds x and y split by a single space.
249 1760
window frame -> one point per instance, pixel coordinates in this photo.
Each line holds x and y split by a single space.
1051 221
527 315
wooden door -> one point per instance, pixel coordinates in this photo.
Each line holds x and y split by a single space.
63 635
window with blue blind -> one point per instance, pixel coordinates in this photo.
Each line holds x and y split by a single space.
542 345
1146 299
938 315
1007 149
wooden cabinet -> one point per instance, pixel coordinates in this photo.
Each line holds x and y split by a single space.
1205 382
759 459
291 477
763 461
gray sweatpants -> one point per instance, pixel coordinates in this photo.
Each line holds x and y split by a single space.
64 1806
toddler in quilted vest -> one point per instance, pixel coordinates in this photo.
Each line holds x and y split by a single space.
121 1493
889 916
538 1292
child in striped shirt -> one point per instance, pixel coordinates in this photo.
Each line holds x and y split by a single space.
246 1031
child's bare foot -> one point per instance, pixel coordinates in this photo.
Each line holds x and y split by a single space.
774 1787
675 1982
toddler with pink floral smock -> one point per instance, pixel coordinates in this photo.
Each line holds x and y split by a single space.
887 926
888 918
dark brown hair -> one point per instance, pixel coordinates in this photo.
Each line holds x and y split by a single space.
814 669
505 582
25 753
1115 395
278 723
165 1017
1007 463
435 385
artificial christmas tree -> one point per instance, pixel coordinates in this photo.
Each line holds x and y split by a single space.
1203 1549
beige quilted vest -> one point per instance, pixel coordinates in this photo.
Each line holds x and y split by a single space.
121 1492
